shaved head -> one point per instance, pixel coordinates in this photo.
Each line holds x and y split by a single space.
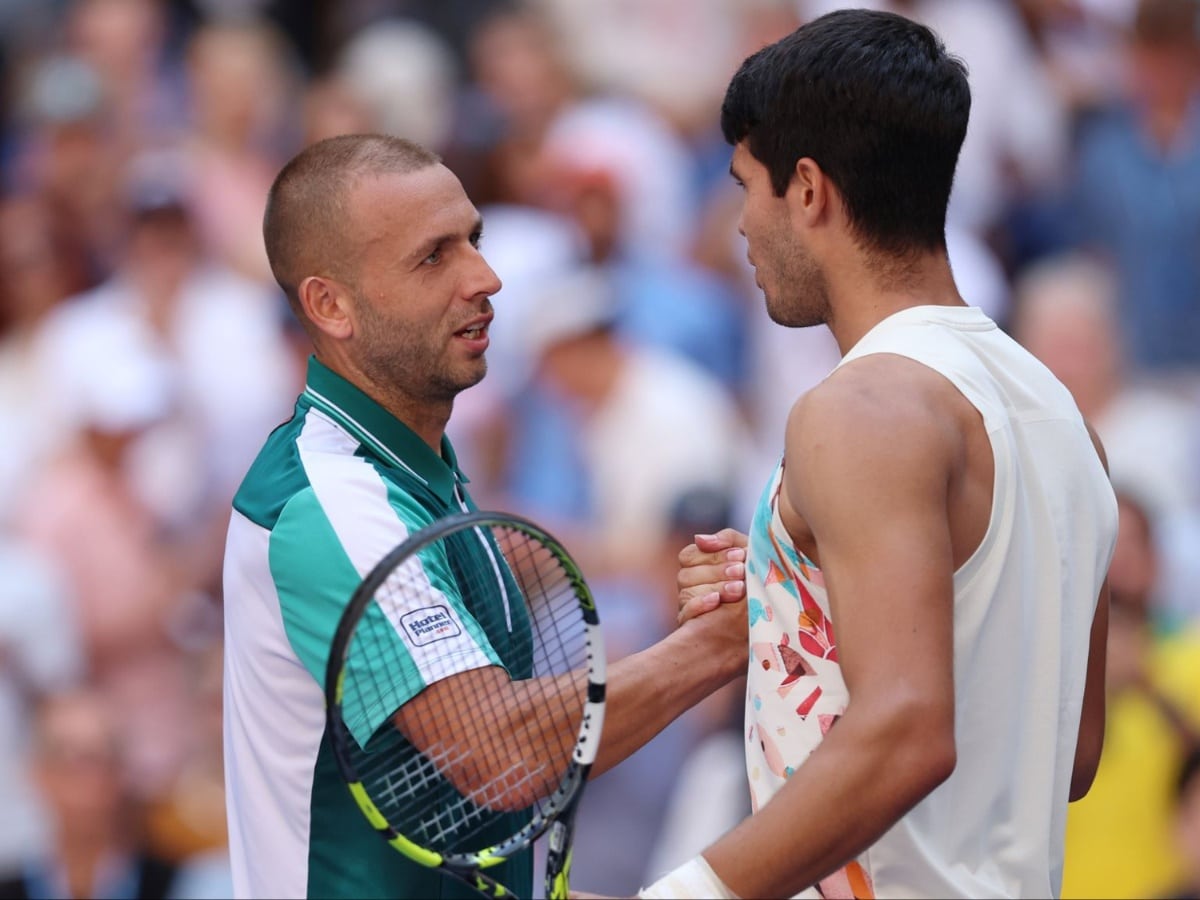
306 219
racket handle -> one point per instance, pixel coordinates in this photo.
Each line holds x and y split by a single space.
558 860
482 884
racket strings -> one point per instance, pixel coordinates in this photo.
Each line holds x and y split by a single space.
479 760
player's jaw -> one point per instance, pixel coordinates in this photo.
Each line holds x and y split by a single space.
464 362
431 361
793 286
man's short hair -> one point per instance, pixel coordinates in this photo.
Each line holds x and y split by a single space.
875 99
304 222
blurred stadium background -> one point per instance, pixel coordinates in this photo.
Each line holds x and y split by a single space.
636 392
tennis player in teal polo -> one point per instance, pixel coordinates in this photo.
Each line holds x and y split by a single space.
376 246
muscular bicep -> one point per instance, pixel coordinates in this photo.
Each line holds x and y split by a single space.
869 474
867 465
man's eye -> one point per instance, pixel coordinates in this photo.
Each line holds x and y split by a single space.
433 257
476 239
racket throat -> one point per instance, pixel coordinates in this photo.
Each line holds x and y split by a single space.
558 861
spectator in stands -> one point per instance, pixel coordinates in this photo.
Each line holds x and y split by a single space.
97 852
1187 826
610 432
40 651
1066 315
1136 190
1118 838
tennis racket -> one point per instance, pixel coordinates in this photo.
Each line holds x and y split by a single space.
465 696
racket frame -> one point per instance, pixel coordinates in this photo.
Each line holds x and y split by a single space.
558 812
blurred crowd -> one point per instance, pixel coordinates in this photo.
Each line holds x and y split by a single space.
636 392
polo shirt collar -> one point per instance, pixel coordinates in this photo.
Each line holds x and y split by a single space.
385 436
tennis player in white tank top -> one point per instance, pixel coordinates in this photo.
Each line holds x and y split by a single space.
1017 646
925 578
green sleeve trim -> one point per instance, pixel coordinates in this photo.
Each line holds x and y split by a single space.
315 579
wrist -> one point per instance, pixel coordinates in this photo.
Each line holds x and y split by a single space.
710 644
695 878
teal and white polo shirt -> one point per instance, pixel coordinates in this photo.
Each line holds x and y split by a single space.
332 491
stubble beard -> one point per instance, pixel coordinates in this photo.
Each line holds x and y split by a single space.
401 359
801 296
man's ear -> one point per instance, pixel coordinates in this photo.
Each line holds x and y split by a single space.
326 302
809 192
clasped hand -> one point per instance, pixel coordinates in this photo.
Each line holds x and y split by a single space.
712 571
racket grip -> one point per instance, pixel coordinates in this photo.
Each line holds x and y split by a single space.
558 861
482 884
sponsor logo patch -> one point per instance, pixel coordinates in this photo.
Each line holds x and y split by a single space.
428 624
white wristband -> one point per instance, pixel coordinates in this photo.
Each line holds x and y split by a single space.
695 878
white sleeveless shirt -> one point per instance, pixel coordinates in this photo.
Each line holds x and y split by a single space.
1023 609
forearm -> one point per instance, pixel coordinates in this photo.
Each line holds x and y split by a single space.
648 690
644 691
858 783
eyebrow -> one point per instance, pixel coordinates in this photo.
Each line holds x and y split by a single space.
428 246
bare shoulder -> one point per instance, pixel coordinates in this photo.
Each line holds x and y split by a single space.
877 405
871 456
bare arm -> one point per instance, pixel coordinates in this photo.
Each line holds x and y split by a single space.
1091 720
646 691
509 758
868 471
650 689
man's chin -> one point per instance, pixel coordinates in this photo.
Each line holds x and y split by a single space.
791 320
474 377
